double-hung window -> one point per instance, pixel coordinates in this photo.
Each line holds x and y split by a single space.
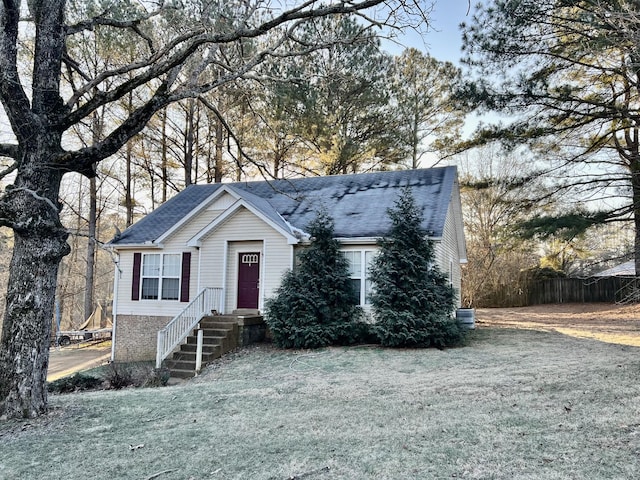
161 276
359 261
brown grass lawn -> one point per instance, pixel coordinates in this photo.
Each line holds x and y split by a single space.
609 323
532 396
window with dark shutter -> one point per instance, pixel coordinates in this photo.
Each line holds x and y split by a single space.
186 273
135 284
161 276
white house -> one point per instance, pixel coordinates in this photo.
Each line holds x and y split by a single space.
235 241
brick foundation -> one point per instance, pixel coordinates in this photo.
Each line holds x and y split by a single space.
136 337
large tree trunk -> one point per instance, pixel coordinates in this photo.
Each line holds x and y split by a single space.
39 246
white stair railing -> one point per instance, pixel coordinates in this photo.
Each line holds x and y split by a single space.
207 301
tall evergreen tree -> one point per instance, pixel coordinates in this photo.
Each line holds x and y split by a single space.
423 89
412 300
314 306
346 115
566 75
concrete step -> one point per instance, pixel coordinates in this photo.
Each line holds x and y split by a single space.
220 335
226 342
230 321
178 373
191 357
179 365
218 325
227 319
246 311
206 340
215 332
192 347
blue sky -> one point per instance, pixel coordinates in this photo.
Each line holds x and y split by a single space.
442 40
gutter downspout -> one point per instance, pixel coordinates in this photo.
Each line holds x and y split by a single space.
199 268
114 307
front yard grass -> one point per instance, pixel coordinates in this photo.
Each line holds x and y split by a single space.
513 404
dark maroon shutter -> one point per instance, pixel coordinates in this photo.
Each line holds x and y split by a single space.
135 285
186 273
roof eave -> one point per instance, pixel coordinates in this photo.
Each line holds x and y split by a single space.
135 246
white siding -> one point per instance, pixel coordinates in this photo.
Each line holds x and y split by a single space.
447 252
222 203
181 236
243 231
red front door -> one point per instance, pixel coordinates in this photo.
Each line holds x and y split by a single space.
248 279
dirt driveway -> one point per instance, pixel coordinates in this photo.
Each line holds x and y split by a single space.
68 360
605 322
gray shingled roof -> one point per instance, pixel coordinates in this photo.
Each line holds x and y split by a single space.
357 202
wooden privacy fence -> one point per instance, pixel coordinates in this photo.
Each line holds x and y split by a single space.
583 290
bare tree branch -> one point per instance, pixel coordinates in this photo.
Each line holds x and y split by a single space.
263 170
12 168
13 97
103 20
182 47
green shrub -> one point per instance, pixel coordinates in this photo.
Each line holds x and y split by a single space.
113 376
412 301
315 305
74 383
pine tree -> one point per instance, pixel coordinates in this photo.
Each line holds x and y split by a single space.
412 300
314 305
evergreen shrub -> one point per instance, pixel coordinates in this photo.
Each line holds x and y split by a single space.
315 305
412 301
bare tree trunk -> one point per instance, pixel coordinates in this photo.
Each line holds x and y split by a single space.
163 166
91 249
239 138
91 240
196 143
128 195
239 164
635 186
128 198
40 244
188 146
276 155
217 176
415 141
